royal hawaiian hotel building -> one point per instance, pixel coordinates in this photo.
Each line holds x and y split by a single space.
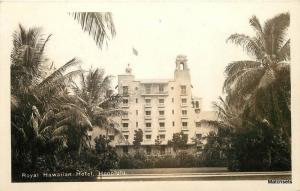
160 107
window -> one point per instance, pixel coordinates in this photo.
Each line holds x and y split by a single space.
148 112
173 111
162 150
173 123
183 90
198 135
148 137
125 149
136 112
183 100
184 124
111 137
126 137
161 88
148 150
162 137
125 101
125 125
172 100
161 101
184 112
161 112
172 88
136 124
148 124
148 101
125 90
161 124
198 124
125 116
136 100
136 88
181 66
197 104
148 89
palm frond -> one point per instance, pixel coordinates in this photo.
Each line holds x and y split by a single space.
236 66
213 123
61 130
267 78
284 52
248 44
47 117
99 25
59 72
275 31
255 24
46 130
248 81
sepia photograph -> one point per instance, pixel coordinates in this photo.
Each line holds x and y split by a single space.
149 92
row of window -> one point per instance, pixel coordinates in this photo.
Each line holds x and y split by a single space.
162 137
148 101
148 87
161 124
161 112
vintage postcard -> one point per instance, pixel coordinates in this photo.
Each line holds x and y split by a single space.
165 95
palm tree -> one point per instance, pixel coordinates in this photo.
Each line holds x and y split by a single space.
229 117
263 83
99 25
32 90
101 105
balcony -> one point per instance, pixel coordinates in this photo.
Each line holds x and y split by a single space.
184 117
184 128
124 117
154 93
125 106
147 105
148 117
125 129
161 117
125 94
161 129
161 104
148 129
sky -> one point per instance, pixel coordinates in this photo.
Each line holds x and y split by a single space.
158 31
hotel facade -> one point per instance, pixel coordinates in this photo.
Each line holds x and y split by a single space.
160 108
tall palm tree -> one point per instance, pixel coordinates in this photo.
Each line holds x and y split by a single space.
270 50
99 25
32 88
263 83
98 100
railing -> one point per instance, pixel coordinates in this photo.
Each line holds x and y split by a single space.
154 92
148 129
184 128
147 116
148 105
161 116
162 129
161 104
125 129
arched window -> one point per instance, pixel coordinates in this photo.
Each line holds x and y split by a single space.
181 66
